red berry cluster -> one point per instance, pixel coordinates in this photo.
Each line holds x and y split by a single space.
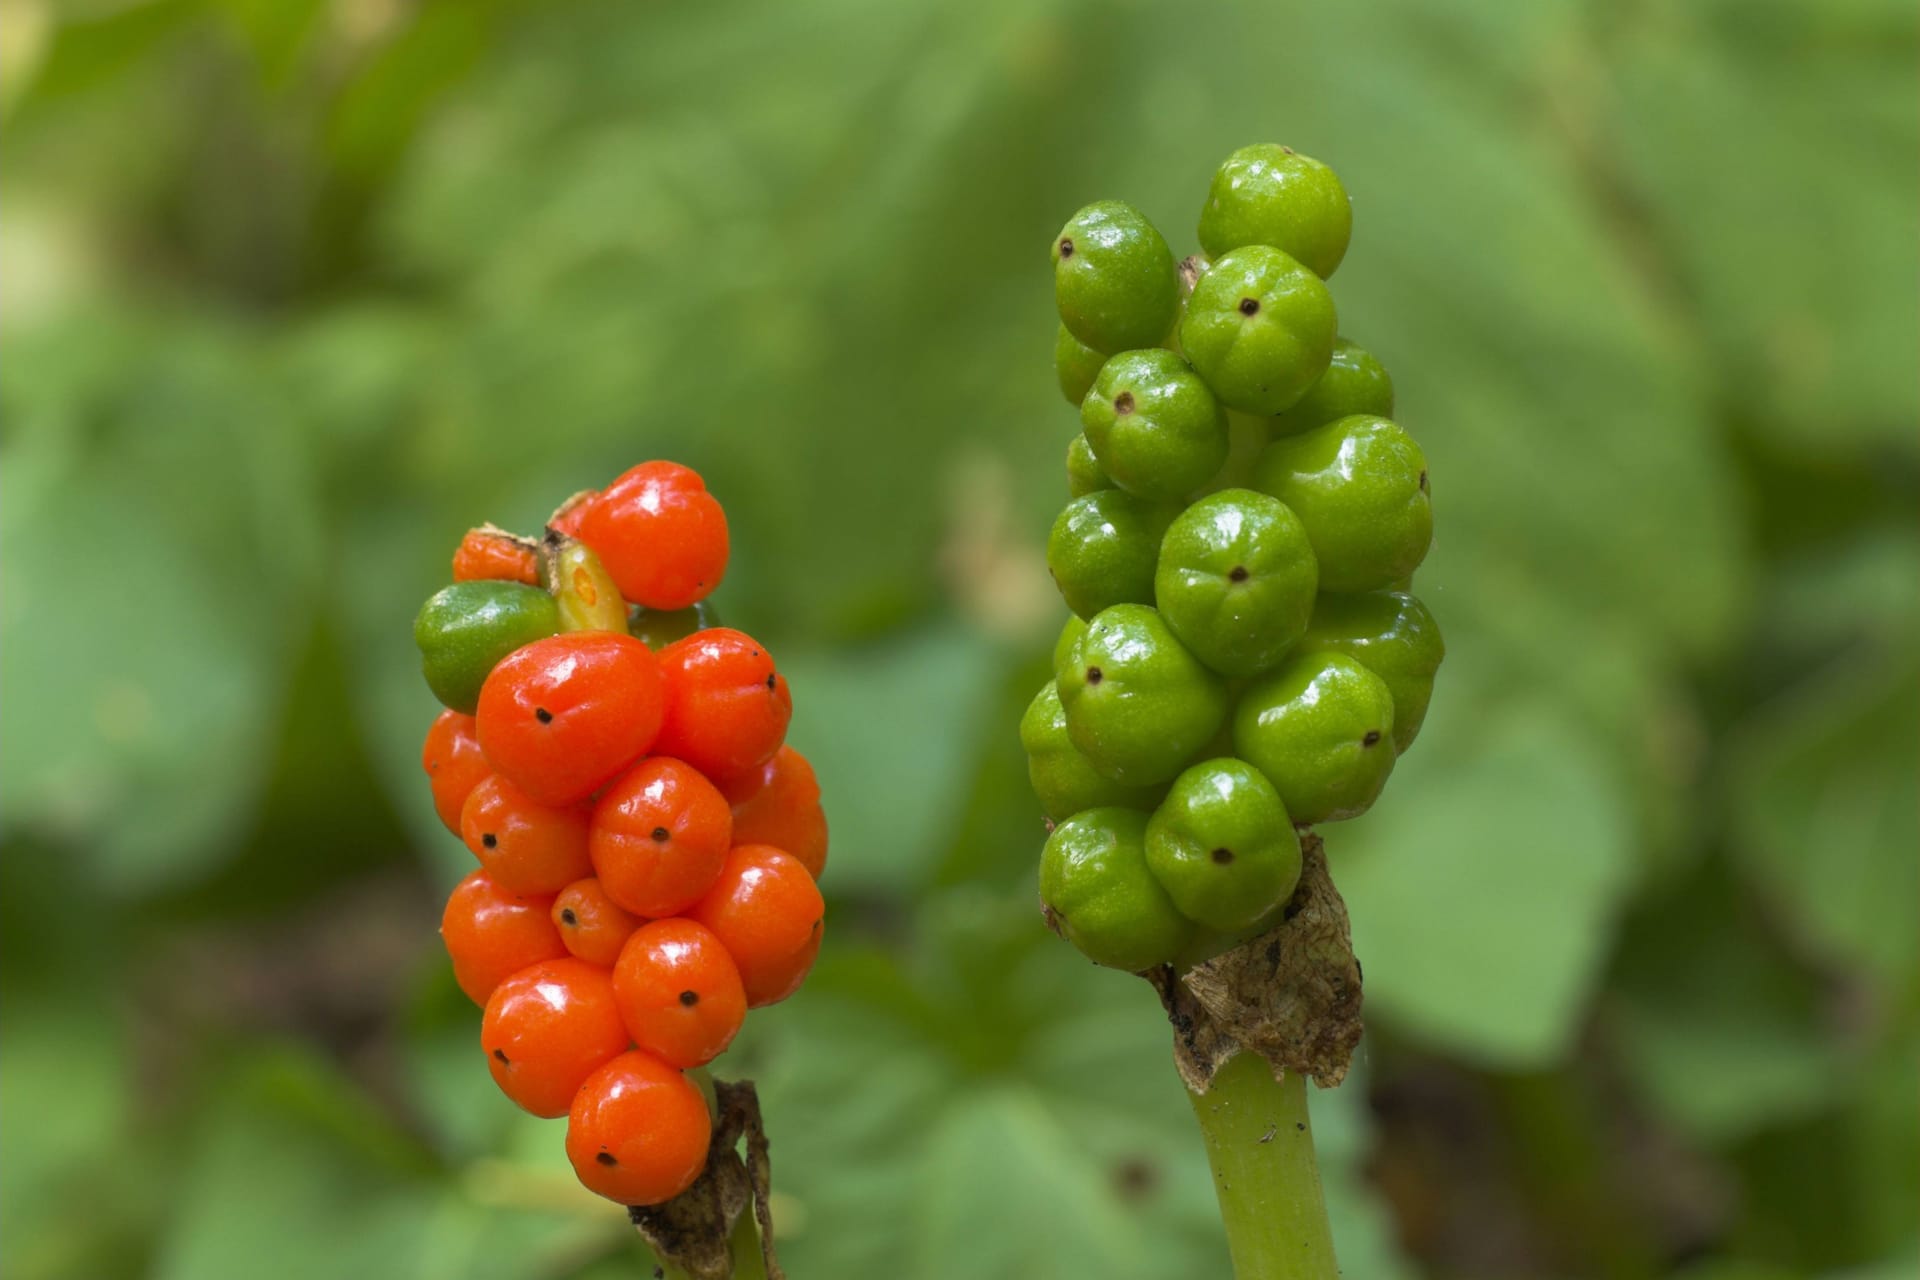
648 845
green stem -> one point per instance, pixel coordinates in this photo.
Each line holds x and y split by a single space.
748 1262
1260 1144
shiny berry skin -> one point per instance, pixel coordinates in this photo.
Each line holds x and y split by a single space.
638 1131
527 847
1272 195
1223 847
1084 475
1153 425
1070 633
464 630
491 934
1064 779
679 992
1138 703
484 554
1236 580
1259 329
1391 634
561 717
661 535
454 765
779 804
726 708
768 913
1114 278
659 836
1103 547
659 628
1099 895
547 1028
1355 382
1360 487
1075 365
592 926
1321 728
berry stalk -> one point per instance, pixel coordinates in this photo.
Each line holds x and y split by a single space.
1259 1142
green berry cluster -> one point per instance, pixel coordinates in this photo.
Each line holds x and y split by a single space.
1245 657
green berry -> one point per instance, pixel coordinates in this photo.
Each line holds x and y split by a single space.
1138 703
1247 437
661 627
464 630
1114 278
1236 580
1359 485
1103 548
1273 195
1222 846
1070 633
1153 424
1321 728
1064 779
1075 364
1355 382
1084 475
1259 329
1391 634
1099 895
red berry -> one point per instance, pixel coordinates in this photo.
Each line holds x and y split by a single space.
726 707
561 717
679 992
525 846
591 924
454 764
767 912
660 533
492 934
484 554
638 1132
779 804
548 1028
659 836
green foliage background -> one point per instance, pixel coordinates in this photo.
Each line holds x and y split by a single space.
296 291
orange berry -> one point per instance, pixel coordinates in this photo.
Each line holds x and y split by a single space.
726 707
491 934
454 764
591 924
679 992
779 804
549 1027
659 836
561 717
767 912
483 554
638 1132
527 847
660 533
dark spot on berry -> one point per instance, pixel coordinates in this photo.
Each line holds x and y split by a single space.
543 715
490 840
689 998
500 1054
1066 246
606 1158
1249 306
1123 403
771 678
1238 573
1372 738
662 835
1095 675
567 916
1423 482
1223 856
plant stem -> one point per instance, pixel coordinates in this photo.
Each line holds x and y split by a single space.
1260 1144
748 1262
